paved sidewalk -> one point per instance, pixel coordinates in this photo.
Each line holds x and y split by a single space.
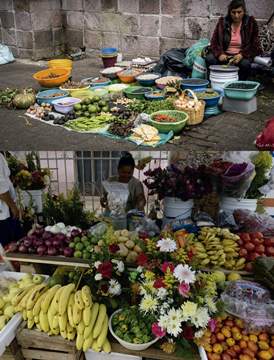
227 131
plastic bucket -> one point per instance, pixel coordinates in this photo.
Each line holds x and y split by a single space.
199 70
230 204
176 208
109 61
34 198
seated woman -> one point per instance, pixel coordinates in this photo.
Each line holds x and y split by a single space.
136 198
235 39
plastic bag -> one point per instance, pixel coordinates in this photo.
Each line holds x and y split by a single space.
6 55
171 63
117 196
237 178
149 227
194 51
265 140
98 229
248 221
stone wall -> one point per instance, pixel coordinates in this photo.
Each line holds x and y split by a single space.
32 28
43 28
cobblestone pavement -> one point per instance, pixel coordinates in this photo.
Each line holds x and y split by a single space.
228 131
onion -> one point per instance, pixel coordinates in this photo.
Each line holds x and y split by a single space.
60 237
75 233
41 250
48 242
46 235
38 243
28 242
52 251
22 249
56 243
68 252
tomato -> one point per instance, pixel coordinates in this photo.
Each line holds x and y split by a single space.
243 344
249 246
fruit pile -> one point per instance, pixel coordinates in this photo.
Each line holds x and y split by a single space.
217 247
90 107
12 292
231 341
253 245
66 311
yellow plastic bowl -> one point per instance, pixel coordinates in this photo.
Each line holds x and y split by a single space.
74 92
81 93
44 79
61 63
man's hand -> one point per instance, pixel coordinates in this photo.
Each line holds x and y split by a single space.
237 58
223 58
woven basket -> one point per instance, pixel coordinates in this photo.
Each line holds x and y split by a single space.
196 114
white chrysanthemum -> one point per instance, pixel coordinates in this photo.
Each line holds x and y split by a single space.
139 269
97 263
98 277
149 304
174 328
167 245
120 266
199 334
114 287
183 273
163 321
175 315
162 293
142 290
189 310
201 318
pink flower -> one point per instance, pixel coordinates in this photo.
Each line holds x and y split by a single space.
183 289
212 325
167 265
157 331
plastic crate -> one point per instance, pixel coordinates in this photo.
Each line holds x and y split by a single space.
92 355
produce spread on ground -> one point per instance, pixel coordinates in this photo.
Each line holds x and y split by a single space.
111 103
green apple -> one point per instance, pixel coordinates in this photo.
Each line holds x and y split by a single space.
37 279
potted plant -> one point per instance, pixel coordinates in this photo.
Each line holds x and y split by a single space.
29 180
177 188
240 183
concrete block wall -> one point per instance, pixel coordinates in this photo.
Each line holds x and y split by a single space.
32 28
43 28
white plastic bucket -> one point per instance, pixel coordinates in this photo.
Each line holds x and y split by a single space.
220 78
230 204
176 208
34 198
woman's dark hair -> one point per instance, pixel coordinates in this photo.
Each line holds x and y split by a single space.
235 4
126 160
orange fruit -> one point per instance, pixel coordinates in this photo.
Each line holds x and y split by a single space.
217 348
252 346
263 336
236 336
226 331
243 344
265 355
220 336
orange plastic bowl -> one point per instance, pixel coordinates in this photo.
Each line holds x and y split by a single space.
44 78
61 63
127 77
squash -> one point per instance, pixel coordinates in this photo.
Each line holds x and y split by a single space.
24 99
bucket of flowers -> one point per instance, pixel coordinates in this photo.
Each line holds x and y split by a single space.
30 180
178 188
179 302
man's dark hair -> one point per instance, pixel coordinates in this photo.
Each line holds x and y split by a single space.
126 160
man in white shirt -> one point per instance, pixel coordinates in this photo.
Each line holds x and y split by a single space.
9 212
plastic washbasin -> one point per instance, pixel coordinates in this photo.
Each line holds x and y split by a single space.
241 94
44 96
166 127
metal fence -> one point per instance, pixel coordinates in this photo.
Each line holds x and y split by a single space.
86 170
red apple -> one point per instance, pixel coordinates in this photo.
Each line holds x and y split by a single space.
249 246
257 235
243 252
245 237
248 267
269 251
258 241
240 242
260 249
253 256
269 242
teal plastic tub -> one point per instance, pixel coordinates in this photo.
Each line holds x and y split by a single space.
241 90
166 127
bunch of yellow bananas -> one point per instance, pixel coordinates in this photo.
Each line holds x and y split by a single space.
70 313
217 247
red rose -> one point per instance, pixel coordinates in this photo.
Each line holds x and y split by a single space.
104 289
113 248
142 259
105 269
159 283
188 333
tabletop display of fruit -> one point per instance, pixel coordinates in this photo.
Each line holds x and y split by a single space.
253 245
91 106
69 312
231 341
12 292
216 247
